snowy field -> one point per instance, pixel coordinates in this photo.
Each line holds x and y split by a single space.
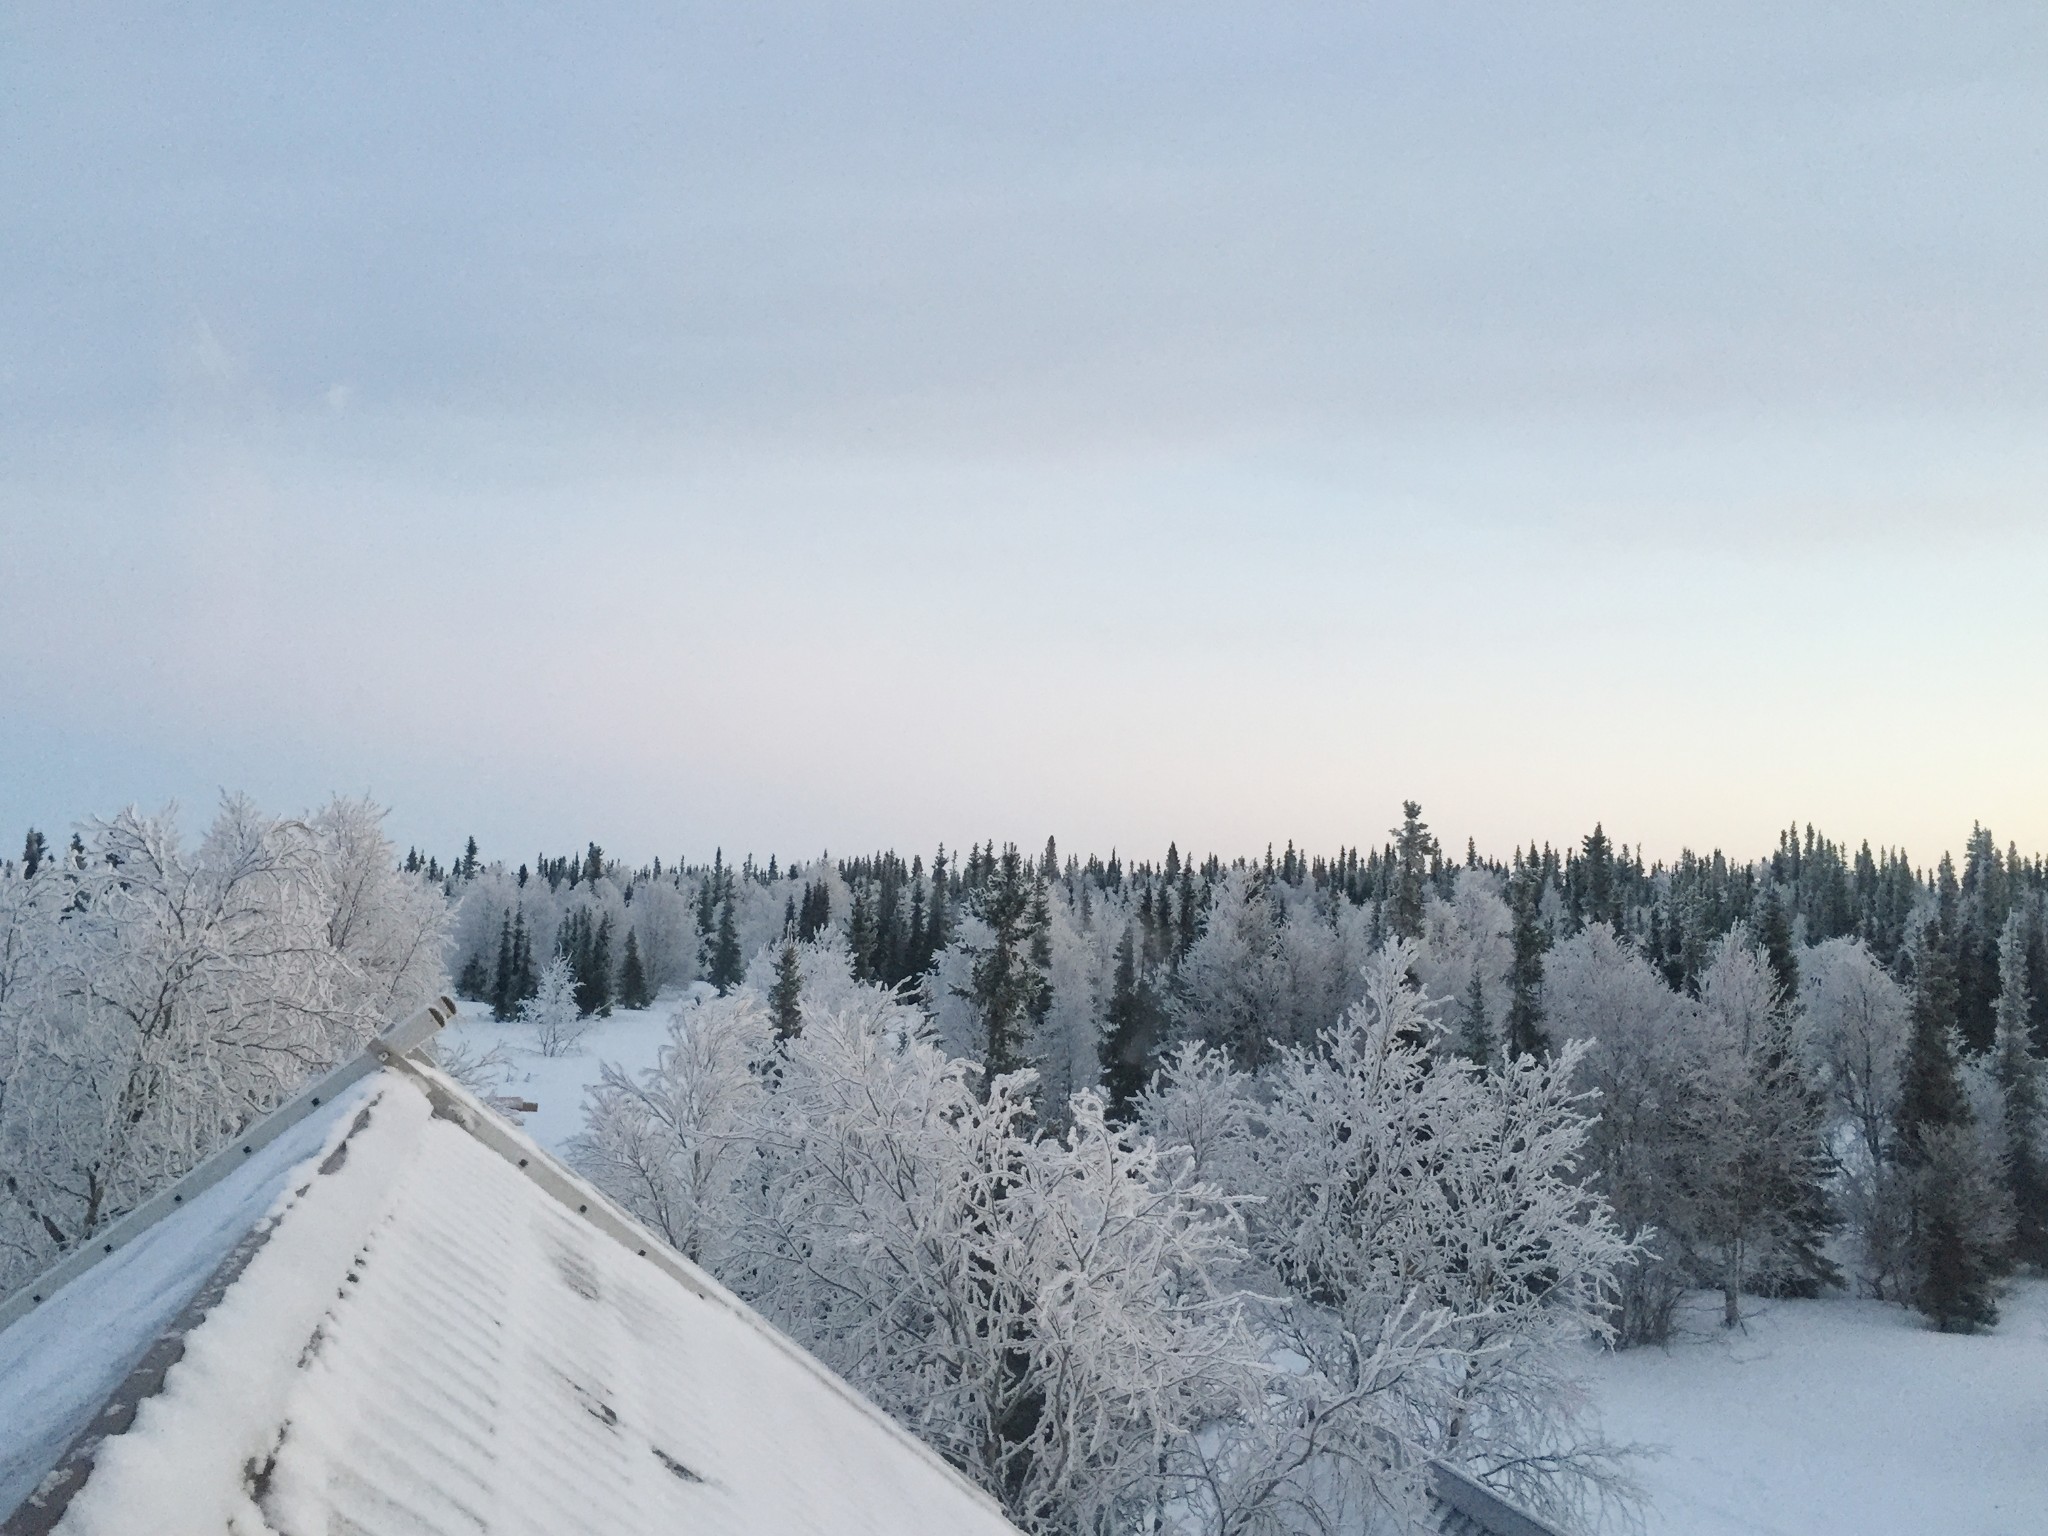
1817 1418
1826 1418
630 1038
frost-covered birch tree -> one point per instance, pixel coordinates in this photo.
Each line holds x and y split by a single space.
155 998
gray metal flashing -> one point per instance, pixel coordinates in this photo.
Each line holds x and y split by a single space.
406 1035
40 1512
1468 1506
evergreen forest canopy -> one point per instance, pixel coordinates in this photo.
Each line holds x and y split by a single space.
1048 1154
897 918
1092 973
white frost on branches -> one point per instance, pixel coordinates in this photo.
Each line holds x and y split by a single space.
1093 1324
558 1025
155 998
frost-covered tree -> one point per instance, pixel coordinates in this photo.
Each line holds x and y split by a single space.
1038 1306
1272 966
1067 1041
675 1144
1399 1185
1853 1027
1199 1101
157 997
1231 976
1599 990
554 1014
1756 1154
1042 1309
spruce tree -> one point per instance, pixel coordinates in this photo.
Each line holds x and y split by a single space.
1129 1043
1774 932
1414 848
860 932
34 849
938 921
709 889
1525 972
1983 901
917 949
501 981
2020 1081
632 975
785 998
1004 984
1475 1031
1041 953
814 912
525 978
600 975
1597 900
1952 1264
1931 1087
727 965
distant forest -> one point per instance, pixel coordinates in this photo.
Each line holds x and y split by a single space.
1838 1047
898 918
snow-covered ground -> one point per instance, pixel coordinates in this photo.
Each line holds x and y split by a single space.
1816 1418
1834 1416
629 1038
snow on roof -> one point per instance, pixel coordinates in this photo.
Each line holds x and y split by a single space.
440 1331
60 1362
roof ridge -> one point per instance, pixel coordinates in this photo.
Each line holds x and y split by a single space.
408 1034
44 1507
456 1104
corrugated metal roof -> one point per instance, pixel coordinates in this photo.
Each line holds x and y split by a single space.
62 1359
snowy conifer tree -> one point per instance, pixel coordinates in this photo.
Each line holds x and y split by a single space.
2021 1088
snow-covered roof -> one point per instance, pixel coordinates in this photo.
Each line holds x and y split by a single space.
402 1317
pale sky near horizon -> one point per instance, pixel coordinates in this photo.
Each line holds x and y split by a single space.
786 427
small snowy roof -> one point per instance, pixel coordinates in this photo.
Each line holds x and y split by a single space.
403 1317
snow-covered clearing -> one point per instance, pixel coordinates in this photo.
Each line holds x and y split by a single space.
1836 1416
630 1038
1815 1418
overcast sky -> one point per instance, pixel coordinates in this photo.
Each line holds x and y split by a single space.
783 427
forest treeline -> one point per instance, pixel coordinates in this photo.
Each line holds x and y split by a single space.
1837 1041
896 917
